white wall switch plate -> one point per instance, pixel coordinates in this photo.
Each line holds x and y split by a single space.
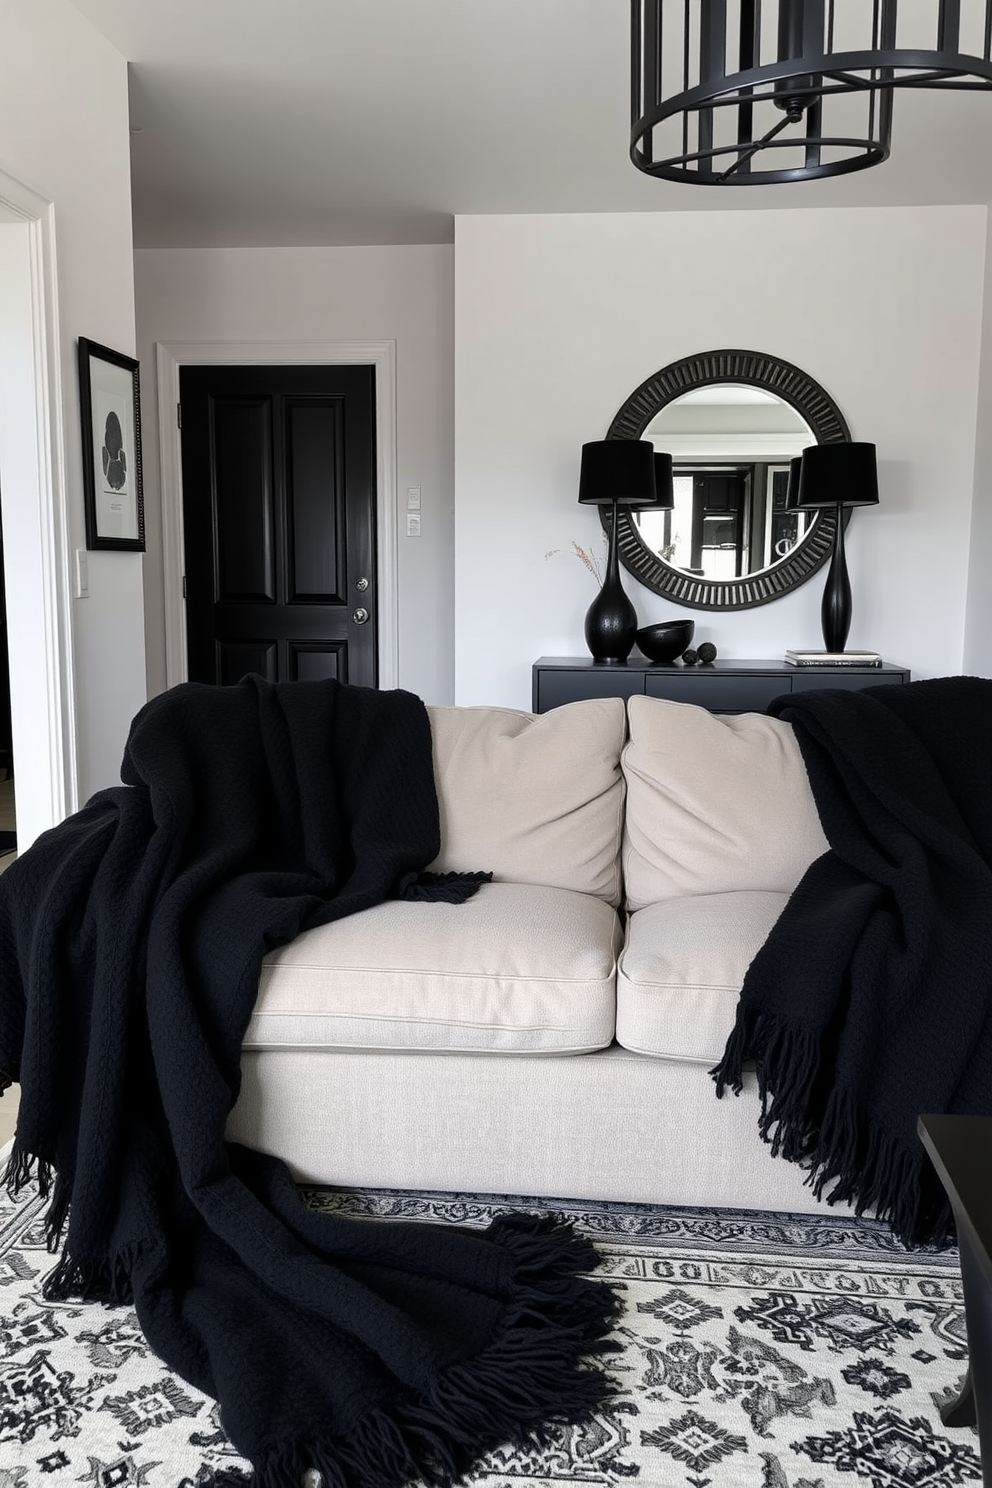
82 574
413 498
412 524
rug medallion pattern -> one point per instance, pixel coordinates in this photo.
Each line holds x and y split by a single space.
759 1351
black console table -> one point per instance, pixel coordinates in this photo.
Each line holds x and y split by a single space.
722 686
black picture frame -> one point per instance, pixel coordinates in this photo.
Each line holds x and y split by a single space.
110 410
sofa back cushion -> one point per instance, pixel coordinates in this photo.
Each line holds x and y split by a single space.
536 798
715 803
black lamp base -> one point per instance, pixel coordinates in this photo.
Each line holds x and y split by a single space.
611 620
611 625
835 609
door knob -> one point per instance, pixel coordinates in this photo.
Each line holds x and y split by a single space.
360 616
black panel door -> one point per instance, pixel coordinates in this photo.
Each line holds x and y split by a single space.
279 522
718 517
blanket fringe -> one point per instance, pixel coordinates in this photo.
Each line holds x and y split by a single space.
26 1167
874 1170
23 1168
58 1213
787 1062
533 1374
868 1167
444 888
106 1281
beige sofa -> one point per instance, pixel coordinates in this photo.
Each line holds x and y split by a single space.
533 1041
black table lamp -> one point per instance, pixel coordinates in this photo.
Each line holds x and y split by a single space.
614 473
834 475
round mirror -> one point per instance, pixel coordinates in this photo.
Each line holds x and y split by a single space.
732 421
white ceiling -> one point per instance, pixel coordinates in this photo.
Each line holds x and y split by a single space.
309 122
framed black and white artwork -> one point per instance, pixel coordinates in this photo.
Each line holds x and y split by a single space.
111 430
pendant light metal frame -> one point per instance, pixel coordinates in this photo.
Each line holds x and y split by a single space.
793 91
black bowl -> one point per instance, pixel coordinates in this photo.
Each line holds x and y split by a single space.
667 641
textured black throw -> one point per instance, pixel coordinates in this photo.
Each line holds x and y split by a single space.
130 943
871 1001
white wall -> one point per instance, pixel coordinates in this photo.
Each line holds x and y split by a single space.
64 134
559 318
978 617
328 294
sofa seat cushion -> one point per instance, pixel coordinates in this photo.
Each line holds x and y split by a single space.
681 971
533 798
516 969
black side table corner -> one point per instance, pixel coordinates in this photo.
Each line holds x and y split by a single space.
960 1148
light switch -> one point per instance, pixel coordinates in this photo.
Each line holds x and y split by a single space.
413 524
82 574
413 498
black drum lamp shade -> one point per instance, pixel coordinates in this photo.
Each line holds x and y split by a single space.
838 475
618 470
663 482
792 489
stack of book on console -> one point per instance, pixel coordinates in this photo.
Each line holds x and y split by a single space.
834 658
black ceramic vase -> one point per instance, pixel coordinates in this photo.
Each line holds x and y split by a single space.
611 620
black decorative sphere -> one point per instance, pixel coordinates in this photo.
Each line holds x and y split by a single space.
706 652
690 657
666 641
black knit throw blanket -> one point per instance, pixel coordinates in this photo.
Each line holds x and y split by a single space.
130 943
871 1001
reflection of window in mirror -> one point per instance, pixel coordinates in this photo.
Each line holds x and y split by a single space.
727 520
731 445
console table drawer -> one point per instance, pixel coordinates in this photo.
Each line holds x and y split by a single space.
853 679
552 688
721 694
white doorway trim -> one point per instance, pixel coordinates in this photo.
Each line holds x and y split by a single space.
35 516
169 357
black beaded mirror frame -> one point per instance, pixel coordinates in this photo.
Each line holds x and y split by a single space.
794 387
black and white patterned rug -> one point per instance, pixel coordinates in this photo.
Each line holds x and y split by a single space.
760 1351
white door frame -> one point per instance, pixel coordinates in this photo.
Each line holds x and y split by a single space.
35 516
169 357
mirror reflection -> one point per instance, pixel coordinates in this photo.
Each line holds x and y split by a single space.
731 444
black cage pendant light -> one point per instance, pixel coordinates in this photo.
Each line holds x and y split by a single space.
751 92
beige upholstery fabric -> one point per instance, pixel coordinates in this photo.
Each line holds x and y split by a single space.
714 803
538 799
514 968
613 1125
681 971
